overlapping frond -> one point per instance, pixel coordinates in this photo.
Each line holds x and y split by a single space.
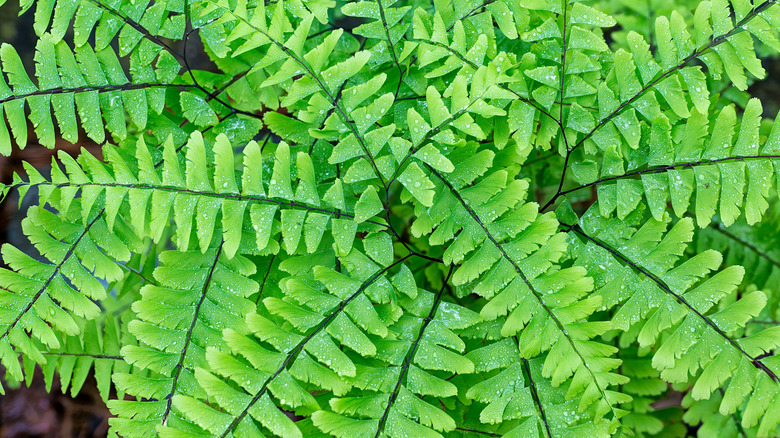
637 273
330 331
646 87
45 302
95 82
334 234
509 254
728 172
83 81
198 296
403 394
310 77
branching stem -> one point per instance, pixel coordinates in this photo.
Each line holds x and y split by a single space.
679 298
295 351
695 55
410 355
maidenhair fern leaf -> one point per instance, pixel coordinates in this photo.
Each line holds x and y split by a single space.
475 218
661 296
46 298
729 172
178 318
293 346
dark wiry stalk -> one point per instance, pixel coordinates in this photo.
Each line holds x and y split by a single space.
410 355
222 196
94 356
389 40
98 88
463 429
679 298
535 395
181 56
54 274
180 365
337 99
294 352
142 30
659 169
209 95
265 279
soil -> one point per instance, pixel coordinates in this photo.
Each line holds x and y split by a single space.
32 412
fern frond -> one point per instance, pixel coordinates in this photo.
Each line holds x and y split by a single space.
389 26
513 397
701 349
646 388
509 254
44 300
321 81
719 42
192 194
751 247
95 81
86 82
95 349
295 345
129 20
729 174
176 322
629 96
410 383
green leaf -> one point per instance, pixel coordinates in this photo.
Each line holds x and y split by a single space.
368 205
280 185
418 184
197 110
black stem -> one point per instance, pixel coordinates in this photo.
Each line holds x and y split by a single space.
265 279
410 355
180 365
659 169
680 299
535 395
222 196
294 352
